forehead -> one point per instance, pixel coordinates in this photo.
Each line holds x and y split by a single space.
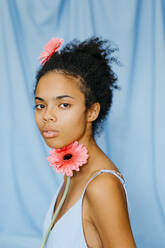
57 83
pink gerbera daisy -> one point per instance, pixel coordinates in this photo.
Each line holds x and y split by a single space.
51 48
68 158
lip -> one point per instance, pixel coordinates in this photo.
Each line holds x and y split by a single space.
49 133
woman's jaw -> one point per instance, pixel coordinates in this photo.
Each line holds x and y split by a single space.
55 140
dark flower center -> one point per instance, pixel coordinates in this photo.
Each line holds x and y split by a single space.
67 156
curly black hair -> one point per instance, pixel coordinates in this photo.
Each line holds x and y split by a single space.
91 61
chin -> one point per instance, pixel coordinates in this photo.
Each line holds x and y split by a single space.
56 145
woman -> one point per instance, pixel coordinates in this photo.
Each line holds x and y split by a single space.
73 95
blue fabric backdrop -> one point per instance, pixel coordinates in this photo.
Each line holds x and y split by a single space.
134 132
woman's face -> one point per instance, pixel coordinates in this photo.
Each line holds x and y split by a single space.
60 110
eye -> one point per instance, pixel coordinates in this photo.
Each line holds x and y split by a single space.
64 105
39 106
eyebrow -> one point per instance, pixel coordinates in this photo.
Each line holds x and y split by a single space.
54 98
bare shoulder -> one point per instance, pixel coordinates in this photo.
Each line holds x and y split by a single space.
105 187
107 204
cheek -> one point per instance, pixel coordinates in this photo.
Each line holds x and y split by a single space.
38 120
75 122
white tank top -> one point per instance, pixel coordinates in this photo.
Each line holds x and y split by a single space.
68 231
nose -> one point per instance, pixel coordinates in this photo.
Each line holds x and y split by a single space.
49 116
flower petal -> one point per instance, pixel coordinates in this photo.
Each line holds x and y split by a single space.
52 47
79 157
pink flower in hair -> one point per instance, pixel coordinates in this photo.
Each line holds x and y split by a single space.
68 158
51 48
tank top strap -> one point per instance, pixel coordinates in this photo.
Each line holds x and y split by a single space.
117 174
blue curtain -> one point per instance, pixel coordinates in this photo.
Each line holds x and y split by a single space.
134 131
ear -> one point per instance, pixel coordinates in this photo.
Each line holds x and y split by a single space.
93 112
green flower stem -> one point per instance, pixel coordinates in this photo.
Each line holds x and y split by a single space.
57 211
